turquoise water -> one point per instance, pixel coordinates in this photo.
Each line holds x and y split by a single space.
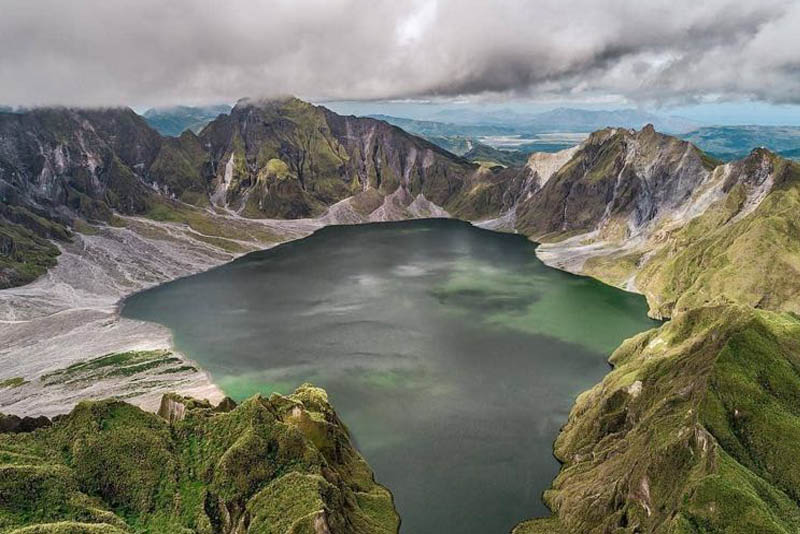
451 352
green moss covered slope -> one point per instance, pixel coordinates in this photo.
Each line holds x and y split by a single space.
743 249
278 465
694 431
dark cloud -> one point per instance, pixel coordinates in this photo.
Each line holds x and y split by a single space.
151 52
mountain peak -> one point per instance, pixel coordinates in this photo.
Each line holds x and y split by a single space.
269 102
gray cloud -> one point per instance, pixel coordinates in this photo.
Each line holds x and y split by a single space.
150 52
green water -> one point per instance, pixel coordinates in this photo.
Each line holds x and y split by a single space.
451 352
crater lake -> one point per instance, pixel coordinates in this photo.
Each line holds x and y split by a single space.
452 353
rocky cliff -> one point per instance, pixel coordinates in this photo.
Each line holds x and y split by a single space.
63 168
287 158
621 206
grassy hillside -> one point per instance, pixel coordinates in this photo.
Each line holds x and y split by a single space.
694 431
736 251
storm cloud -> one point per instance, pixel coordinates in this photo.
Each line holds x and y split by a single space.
149 52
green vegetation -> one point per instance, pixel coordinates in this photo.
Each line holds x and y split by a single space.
486 155
13 382
283 464
730 255
693 432
210 228
24 256
118 364
180 166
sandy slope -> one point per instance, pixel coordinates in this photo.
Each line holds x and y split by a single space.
70 314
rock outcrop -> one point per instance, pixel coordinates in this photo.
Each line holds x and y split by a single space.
13 423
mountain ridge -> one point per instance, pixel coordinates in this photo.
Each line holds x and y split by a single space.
289 159
277 464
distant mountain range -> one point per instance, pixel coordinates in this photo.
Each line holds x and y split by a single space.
735 142
448 129
563 120
506 137
175 120
505 122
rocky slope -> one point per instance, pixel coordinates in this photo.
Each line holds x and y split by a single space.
63 168
60 168
616 207
107 207
652 214
283 464
616 182
287 158
743 248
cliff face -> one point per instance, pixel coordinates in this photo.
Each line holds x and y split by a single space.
287 159
61 168
745 247
616 181
89 161
622 206
649 213
283 464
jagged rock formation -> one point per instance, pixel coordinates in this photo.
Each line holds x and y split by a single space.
283 464
12 423
287 158
694 431
650 213
617 207
742 248
616 182
61 168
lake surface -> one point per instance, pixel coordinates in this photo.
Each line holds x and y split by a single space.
451 352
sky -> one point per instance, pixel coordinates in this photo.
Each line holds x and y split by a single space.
722 60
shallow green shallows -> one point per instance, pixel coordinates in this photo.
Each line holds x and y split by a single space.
451 352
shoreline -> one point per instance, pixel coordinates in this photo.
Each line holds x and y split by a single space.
81 299
71 315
